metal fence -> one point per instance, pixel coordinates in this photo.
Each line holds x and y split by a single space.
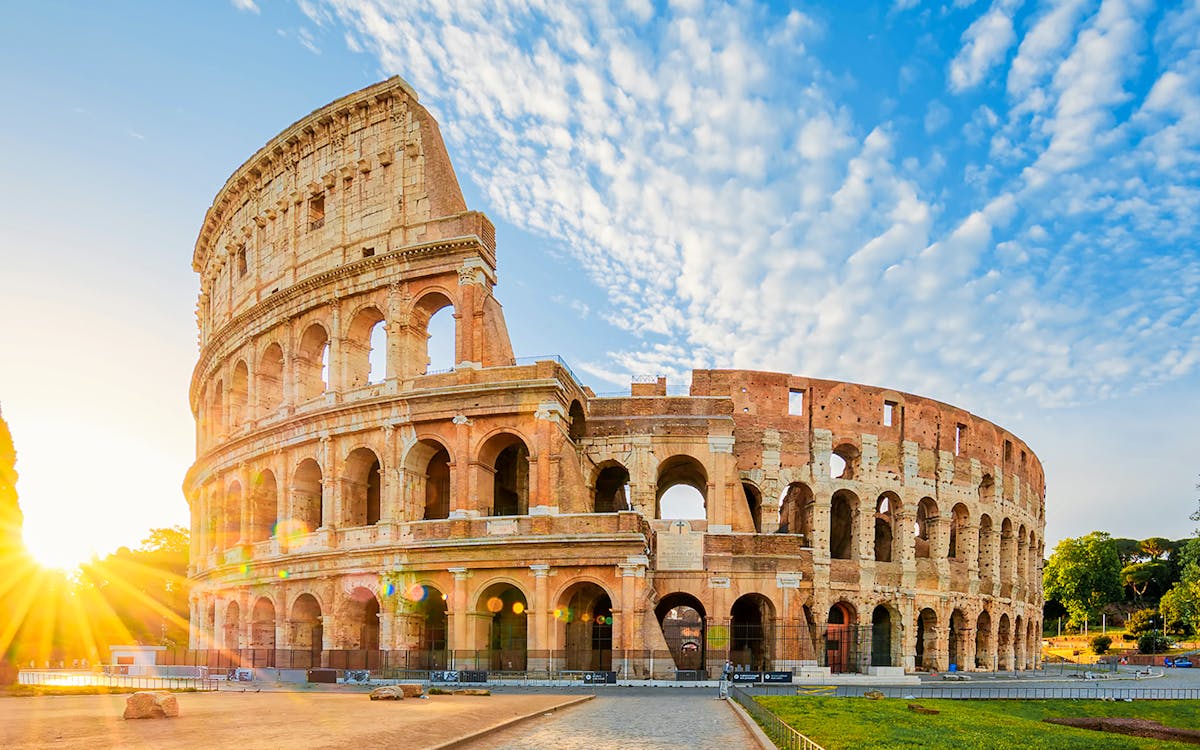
781 733
1014 692
78 678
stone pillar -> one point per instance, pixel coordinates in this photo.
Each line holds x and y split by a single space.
457 613
337 364
243 478
539 650
464 473
330 500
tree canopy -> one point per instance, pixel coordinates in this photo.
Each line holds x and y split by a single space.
1084 574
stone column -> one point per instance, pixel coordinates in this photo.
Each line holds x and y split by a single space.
337 365
540 658
464 473
457 613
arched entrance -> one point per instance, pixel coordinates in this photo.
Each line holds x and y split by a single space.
958 630
611 489
503 609
262 633
843 515
751 637
983 641
681 617
230 640
881 637
1004 644
585 621
307 636
425 608
840 643
362 613
926 647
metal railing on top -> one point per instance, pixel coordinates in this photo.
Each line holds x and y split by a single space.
781 733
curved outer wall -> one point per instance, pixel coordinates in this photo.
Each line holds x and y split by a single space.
499 515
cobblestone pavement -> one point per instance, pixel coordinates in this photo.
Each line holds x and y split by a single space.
655 719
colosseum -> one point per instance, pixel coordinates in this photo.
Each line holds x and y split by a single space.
352 506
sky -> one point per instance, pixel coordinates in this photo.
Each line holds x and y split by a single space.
994 204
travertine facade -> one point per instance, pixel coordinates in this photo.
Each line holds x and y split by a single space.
500 510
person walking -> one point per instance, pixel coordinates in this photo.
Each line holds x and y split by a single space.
726 676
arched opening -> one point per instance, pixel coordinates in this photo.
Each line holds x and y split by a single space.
843 514
510 475
983 641
434 319
362 612
843 462
796 511
362 489
217 410
885 522
958 527
270 379
1019 643
987 489
1008 554
231 533
681 617
262 631
585 619
231 640
927 514
578 426
239 389
264 507
312 362
958 630
754 505
881 637
611 491
307 633
437 486
431 611
841 646
503 608
1004 644
751 637
307 514
364 348
427 472
1022 555
682 488
927 640
1031 645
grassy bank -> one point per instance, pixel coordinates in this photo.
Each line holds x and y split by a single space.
862 724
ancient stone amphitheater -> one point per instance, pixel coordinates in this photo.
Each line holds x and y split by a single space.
351 506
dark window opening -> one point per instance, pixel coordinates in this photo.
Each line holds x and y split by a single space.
316 212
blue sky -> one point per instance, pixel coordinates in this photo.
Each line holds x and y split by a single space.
994 204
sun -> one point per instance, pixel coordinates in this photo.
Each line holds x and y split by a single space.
56 553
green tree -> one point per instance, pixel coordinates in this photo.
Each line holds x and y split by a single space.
1150 575
1084 573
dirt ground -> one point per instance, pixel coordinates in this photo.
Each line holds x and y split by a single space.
250 721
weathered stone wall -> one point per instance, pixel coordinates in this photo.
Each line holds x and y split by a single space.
334 511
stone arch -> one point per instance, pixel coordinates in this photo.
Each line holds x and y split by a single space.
924 530
959 518
886 628
887 508
796 511
306 625
216 411
1008 557
264 505
681 471
231 637
753 504
843 525
428 468
584 618
1018 642
361 362
231 516
752 631
362 488
926 635
610 488
269 379
427 607
984 645
841 641
504 485
239 394
307 490
262 625
682 619
1032 649
362 619
1004 646
427 345
987 489
844 461
1022 556
987 572
312 363
502 609
577 427
957 642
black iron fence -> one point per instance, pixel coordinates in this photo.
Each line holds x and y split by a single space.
1090 691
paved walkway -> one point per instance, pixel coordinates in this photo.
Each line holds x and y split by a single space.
655 719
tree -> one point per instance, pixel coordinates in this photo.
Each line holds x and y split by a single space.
1141 576
1084 573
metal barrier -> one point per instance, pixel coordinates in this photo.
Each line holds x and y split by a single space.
781 733
1092 691
77 678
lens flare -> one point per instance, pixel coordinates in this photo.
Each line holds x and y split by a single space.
495 604
283 574
389 588
417 593
244 569
518 608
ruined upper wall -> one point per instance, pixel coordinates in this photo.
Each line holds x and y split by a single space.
364 175
849 410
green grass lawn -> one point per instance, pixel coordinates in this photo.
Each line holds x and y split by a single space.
862 724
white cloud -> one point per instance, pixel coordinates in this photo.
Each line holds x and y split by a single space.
984 45
248 6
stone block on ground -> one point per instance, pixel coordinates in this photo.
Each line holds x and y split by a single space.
151 705
387 693
411 689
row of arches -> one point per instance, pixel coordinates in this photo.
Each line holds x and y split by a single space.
323 358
